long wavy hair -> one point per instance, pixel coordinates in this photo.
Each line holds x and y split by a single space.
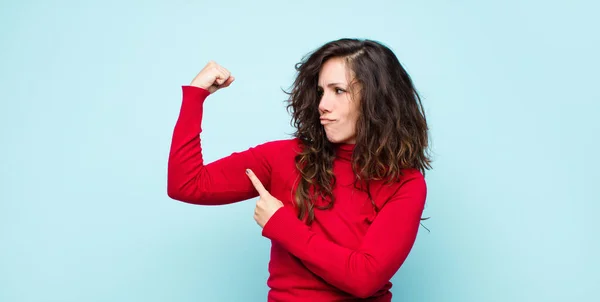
391 131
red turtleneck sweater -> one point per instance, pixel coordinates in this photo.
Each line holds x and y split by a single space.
349 252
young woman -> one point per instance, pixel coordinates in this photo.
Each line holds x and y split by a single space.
342 201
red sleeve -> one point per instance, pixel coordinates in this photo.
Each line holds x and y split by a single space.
220 182
363 271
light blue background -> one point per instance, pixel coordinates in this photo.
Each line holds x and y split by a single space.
90 93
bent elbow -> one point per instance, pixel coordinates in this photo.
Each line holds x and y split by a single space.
176 191
181 195
184 192
367 284
365 290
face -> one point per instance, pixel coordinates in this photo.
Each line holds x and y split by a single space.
338 108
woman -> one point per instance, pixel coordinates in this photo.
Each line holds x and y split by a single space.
342 200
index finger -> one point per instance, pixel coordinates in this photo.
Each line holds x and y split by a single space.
256 182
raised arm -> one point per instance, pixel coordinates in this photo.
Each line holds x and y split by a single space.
223 181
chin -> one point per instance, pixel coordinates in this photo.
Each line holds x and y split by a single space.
340 140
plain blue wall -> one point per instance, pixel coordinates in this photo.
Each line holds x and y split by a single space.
90 93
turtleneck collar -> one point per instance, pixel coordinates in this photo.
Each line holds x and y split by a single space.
344 151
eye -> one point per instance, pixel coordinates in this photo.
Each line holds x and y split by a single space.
319 92
339 90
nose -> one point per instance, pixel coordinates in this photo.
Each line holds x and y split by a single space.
325 104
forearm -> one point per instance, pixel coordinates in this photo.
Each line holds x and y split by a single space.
185 162
355 272
362 271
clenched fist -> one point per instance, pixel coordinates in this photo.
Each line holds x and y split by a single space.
213 77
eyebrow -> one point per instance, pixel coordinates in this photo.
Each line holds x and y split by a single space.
332 84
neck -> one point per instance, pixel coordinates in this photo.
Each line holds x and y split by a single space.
344 151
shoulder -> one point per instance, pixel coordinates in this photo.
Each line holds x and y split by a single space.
412 178
412 175
412 183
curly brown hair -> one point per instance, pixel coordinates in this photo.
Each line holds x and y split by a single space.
391 131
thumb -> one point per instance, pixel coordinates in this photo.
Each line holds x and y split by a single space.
219 80
228 82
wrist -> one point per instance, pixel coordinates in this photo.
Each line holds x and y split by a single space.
198 85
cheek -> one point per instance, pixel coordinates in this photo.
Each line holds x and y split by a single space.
352 117
347 127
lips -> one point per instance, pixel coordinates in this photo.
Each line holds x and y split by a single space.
325 121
